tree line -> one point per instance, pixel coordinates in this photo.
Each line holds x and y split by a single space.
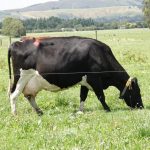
15 27
58 24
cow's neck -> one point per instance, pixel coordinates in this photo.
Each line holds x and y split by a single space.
120 76
120 80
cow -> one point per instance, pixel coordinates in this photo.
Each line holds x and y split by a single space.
57 63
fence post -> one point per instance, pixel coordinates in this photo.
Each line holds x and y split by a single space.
10 40
96 34
1 42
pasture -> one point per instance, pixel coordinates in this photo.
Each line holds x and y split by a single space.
61 127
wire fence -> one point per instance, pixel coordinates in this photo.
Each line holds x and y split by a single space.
140 68
76 73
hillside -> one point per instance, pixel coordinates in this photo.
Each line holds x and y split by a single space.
67 9
95 13
75 4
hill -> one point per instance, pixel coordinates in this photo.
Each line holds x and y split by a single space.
94 13
76 4
96 9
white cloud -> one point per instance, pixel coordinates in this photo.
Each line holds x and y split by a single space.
13 4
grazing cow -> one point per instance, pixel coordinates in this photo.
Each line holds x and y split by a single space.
60 62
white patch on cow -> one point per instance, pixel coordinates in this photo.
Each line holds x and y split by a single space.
37 83
84 82
25 76
31 82
13 106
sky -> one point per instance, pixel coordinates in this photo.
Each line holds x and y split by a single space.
13 4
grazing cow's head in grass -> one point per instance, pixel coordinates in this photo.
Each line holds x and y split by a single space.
131 94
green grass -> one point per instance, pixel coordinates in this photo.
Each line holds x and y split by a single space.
60 127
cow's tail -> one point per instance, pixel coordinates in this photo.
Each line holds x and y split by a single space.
9 68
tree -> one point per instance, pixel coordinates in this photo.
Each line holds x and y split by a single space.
146 11
13 27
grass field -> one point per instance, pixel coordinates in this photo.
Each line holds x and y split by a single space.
61 128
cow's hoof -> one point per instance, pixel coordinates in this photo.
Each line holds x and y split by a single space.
107 110
39 112
14 113
79 112
141 107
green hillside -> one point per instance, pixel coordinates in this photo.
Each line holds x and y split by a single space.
96 13
81 9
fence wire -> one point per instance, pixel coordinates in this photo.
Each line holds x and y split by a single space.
74 73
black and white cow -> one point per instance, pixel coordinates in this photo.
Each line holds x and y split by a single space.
60 62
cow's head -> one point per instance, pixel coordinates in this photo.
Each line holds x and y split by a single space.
131 94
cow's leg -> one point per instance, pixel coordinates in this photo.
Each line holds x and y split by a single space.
16 90
12 86
83 95
13 99
32 102
18 86
97 88
13 94
13 105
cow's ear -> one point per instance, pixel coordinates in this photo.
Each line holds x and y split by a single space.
134 80
134 83
36 43
121 96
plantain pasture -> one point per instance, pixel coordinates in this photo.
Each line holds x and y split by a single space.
61 128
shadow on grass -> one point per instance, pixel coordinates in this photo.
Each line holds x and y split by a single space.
88 110
64 106
112 110
147 107
144 132
121 109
